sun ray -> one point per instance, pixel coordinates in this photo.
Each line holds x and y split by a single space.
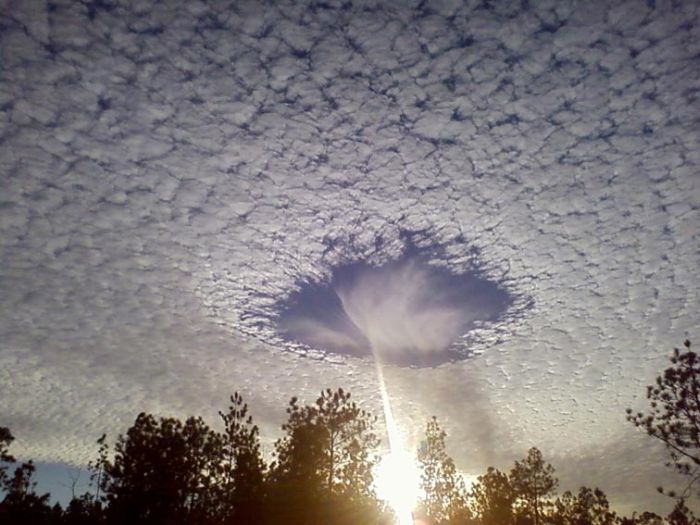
397 476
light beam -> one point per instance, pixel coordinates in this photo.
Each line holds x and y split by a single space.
397 477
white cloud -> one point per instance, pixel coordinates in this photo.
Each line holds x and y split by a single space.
162 190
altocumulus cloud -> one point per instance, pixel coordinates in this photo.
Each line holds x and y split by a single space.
171 173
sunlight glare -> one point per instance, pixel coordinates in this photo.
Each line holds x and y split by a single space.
397 481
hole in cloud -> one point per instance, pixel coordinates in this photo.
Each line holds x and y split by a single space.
408 312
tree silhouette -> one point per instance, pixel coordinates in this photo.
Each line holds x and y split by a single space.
87 509
323 464
243 468
588 507
492 498
97 467
674 413
681 515
445 495
163 472
22 505
645 518
533 481
6 439
83 510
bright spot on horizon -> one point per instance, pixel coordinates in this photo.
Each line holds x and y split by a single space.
470 480
397 481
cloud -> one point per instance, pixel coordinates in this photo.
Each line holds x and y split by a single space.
171 172
402 311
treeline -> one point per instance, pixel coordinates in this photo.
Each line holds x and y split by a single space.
164 471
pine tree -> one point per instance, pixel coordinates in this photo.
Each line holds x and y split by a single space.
164 471
674 414
323 464
6 439
244 468
533 482
21 504
445 493
588 507
492 498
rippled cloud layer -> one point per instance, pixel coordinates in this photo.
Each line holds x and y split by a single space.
171 171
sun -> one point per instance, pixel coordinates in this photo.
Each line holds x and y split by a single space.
397 481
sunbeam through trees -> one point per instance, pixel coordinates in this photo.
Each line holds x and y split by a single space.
164 471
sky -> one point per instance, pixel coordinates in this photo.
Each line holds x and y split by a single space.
175 177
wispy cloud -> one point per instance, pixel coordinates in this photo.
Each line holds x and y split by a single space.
404 312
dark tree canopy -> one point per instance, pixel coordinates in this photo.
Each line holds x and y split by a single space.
21 504
533 483
588 507
243 469
83 510
492 498
163 472
681 514
324 462
6 439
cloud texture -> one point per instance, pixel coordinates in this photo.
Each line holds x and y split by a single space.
170 171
